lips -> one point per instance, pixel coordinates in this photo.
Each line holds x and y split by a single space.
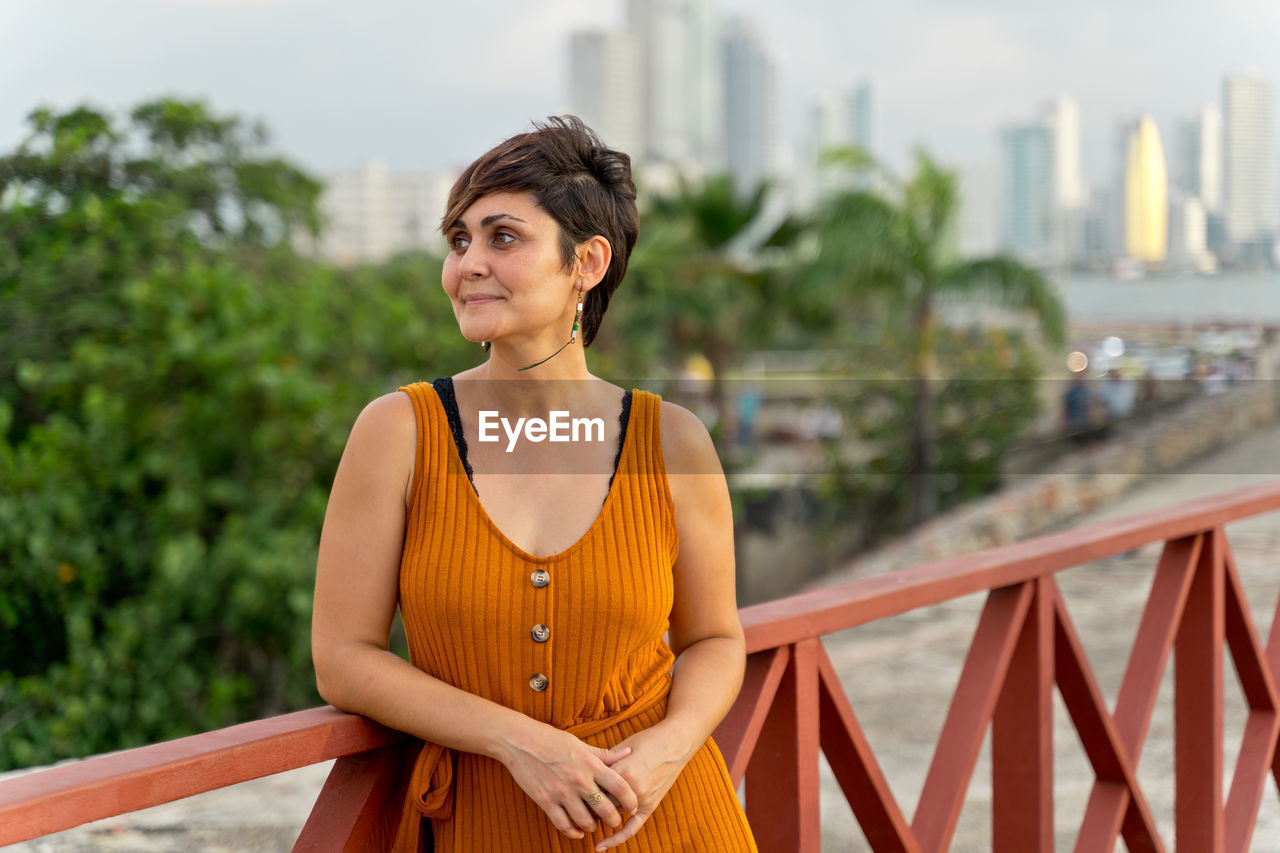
480 299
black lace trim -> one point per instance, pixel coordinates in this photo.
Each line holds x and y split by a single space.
444 388
623 420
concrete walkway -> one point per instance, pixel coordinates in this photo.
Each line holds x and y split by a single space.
899 674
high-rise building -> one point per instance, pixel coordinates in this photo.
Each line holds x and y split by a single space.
753 129
1188 233
976 224
371 213
1146 195
1196 167
1249 196
604 86
843 119
1042 193
1184 158
839 119
1027 190
681 83
1063 118
1067 218
1209 178
1102 228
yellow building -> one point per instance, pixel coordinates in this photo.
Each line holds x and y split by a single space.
1146 195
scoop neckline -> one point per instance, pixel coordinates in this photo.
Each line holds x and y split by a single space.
474 495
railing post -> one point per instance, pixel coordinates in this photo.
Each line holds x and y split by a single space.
782 777
358 809
1198 701
1022 736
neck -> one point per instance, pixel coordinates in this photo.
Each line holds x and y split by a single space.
562 360
522 395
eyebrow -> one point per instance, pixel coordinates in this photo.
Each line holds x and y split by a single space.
488 220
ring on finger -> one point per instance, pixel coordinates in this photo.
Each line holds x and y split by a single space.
594 798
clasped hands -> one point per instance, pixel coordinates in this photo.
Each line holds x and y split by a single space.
562 774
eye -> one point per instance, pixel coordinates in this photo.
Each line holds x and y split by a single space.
459 242
503 238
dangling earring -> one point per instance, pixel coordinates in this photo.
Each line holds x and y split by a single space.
577 320
485 346
573 336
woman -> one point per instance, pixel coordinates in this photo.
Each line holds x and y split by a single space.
537 568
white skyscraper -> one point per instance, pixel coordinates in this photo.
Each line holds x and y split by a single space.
678 44
1209 185
605 87
839 119
371 213
1249 157
707 84
1063 118
1188 227
753 130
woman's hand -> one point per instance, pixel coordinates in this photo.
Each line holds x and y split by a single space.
649 762
560 773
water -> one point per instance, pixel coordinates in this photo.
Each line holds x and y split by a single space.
1181 299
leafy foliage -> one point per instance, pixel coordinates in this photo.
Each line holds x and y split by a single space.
178 394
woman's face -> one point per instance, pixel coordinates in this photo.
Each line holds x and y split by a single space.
504 272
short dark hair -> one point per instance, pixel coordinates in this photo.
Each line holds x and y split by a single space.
584 185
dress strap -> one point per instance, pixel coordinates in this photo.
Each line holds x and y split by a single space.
624 420
444 390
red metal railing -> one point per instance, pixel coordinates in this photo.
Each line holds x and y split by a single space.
792 706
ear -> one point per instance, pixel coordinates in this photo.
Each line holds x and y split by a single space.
594 256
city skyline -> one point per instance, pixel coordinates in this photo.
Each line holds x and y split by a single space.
428 89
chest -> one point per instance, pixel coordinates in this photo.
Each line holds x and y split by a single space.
543 514
543 488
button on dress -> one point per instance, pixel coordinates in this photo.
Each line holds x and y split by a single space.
574 639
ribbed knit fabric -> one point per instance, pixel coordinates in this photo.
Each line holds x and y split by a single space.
470 599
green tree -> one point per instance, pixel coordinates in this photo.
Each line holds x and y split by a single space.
180 387
85 204
893 248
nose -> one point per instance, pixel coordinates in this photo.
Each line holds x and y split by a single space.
472 264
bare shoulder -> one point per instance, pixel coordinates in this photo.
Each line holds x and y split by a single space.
687 447
384 438
393 412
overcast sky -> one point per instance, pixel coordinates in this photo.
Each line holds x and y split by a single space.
427 85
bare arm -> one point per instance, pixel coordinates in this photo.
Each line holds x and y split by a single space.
705 633
357 577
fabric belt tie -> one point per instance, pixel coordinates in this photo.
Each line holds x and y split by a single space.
430 790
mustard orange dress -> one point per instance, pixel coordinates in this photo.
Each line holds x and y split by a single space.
574 639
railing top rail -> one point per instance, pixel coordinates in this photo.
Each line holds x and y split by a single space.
62 797
823 611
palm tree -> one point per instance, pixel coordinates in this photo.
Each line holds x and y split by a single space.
894 244
703 274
